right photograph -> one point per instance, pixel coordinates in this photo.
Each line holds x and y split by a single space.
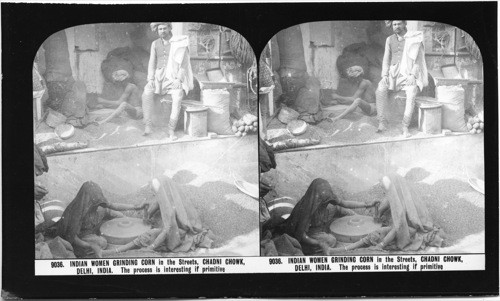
371 139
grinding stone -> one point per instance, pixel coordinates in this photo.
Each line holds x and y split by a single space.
353 227
120 231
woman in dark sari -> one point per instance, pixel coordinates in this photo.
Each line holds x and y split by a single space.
83 217
310 219
40 166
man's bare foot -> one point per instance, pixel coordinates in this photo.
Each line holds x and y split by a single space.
381 128
172 136
108 252
406 132
147 130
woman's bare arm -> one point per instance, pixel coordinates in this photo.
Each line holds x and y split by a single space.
363 85
124 207
353 204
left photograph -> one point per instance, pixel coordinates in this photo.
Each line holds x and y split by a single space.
145 142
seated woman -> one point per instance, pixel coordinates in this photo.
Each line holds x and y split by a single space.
83 217
411 228
310 219
180 230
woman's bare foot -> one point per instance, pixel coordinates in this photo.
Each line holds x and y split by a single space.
108 252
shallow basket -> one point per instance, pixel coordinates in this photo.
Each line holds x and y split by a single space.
286 115
55 118
297 127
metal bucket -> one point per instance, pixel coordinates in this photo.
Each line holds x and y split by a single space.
195 121
429 117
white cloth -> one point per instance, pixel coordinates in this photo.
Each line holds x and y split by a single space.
179 62
413 54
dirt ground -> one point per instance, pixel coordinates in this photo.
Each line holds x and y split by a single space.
355 128
438 170
223 209
206 169
120 131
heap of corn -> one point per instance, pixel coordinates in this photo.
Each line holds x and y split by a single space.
475 125
246 124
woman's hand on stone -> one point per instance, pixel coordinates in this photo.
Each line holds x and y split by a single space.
143 205
372 203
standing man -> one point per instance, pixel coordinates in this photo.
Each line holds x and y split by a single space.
169 74
403 68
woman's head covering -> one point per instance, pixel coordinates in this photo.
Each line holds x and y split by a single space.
89 197
318 194
407 209
40 160
179 216
321 189
154 25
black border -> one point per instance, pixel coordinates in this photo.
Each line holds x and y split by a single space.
25 27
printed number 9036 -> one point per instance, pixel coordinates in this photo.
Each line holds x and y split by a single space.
275 261
56 264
